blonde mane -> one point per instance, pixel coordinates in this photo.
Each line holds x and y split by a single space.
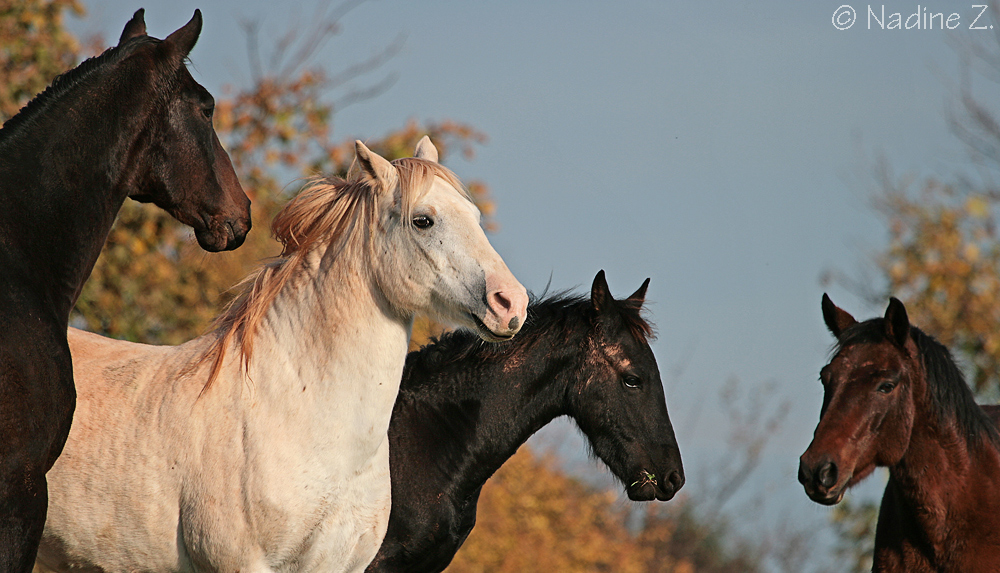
327 211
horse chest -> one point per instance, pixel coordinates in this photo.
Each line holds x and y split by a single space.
313 521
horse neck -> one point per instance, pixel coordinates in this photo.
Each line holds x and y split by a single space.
65 174
331 339
515 394
959 464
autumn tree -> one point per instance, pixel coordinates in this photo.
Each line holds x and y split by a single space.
943 257
35 47
533 517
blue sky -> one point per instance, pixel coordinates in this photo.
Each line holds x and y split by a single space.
724 151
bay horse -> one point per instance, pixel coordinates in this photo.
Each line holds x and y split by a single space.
464 408
131 122
262 446
894 397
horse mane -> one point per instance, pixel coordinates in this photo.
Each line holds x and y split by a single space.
558 312
327 211
68 80
950 395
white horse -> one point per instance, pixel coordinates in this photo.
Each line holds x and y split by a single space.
262 446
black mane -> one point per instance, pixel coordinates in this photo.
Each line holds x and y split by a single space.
559 312
68 80
457 345
951 397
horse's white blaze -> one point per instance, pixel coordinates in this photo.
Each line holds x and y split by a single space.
285 468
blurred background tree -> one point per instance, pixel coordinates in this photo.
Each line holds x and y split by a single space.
533 517
943 258
35 47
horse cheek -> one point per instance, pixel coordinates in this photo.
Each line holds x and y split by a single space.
895 433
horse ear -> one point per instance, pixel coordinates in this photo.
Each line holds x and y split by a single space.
837 319
639 296
185 38
136 27
375 165
897 324
426 150
600 294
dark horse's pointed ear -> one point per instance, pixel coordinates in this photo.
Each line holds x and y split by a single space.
897 324
136 27
600 294
639 296
185 38
837 319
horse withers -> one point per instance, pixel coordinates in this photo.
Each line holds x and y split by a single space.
131 122
465 407
894 397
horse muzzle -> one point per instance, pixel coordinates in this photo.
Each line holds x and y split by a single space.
649 486
223 234
506 311
823 480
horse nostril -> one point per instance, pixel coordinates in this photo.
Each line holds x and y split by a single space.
676 479
501 302
514 323
827 475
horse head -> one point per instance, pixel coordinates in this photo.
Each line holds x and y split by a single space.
188 174
436 258
618 398
869 390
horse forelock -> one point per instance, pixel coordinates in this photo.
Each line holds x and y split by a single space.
632 315
330 211
416 177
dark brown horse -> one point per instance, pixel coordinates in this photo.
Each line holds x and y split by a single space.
894 397
129 123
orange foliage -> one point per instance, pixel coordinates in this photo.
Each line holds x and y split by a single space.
34 48
943 261
534 518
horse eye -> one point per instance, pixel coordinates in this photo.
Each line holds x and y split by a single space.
631 381
886 387
423 222
208 112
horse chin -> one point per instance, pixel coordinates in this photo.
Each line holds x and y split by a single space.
643 492
830 498
488 334
221 237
